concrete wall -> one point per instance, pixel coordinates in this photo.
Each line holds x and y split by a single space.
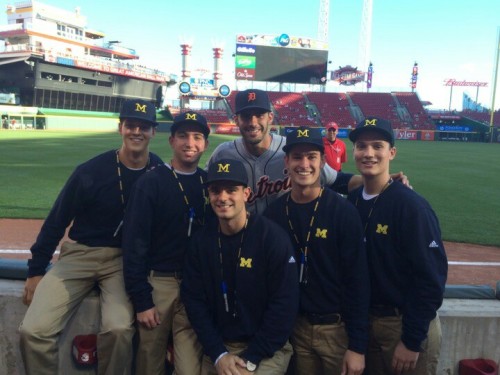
471 329
81 123
85 321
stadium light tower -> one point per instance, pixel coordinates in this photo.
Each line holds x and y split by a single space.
324 13
365 36
323 19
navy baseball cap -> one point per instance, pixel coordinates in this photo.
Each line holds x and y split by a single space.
227 170
379 125
304 135
252 99
139 109
191 117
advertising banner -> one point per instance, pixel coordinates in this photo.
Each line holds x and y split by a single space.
227 129
406 134
427 135
9 98
451 128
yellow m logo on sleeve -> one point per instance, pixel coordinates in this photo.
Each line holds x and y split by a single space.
382 229
245 263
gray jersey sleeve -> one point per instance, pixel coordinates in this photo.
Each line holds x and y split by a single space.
328 175
226 150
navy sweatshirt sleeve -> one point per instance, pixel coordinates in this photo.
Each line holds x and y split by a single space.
427 258
355 279
60 216
137 238
194 295
341 182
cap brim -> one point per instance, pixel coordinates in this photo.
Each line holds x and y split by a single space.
250 107
154 123
287 148
204 129
354 134
228 181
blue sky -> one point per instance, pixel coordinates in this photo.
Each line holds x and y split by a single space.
448 39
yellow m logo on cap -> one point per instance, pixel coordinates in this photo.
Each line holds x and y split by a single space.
303 133
191 116
245 263
140 108
223 168
372 122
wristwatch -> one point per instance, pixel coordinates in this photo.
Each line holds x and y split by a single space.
251 366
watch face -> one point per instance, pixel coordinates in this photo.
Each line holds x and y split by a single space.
251 366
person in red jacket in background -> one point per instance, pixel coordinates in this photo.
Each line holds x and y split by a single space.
335 153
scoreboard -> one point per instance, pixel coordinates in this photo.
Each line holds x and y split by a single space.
281 59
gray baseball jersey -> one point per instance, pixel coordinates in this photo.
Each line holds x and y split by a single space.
267 175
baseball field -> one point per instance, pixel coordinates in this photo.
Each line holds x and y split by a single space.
460 180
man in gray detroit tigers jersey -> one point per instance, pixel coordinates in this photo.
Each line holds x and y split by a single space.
262 154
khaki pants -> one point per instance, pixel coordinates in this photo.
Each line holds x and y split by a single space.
276 365
319 348
385 333
152 347
57 297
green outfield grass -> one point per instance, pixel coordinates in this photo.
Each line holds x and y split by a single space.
460 180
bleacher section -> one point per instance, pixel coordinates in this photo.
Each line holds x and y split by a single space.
290 109
231 98
403 109
332 107
215 116
483 117
419 118
378 105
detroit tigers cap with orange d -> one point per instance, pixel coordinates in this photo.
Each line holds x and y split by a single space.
139 109
229 170
252 99
373 123
191 117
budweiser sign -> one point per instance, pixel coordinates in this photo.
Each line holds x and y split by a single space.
454 82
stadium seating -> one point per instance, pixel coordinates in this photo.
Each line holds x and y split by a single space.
230 99
290 108
378 105
216 116
332 107
403 109
213 116
420 119
483 117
